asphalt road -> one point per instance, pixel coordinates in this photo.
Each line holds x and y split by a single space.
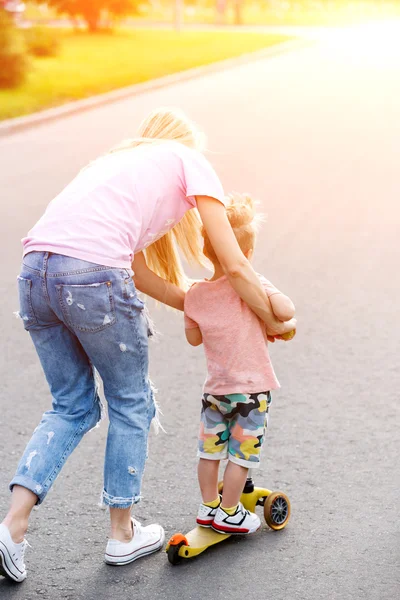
315 134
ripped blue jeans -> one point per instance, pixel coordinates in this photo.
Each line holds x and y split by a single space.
84 317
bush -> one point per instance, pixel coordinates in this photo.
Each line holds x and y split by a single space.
13 60
41 41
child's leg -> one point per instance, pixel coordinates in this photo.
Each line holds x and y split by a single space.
247 425
208 479
213 445
234 480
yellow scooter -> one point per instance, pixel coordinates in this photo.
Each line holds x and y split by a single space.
276 513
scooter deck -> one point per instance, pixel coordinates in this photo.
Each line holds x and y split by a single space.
202 537
196 541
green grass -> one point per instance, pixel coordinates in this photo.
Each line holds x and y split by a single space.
92 64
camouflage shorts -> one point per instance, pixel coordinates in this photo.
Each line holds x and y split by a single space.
233 427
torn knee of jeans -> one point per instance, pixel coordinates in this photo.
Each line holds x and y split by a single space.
132 471
18 315
123 347
99 404
157 412
151 330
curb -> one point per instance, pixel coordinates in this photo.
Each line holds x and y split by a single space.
10 126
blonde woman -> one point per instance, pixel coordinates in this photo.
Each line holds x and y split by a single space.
127 210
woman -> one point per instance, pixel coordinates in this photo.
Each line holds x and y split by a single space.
128 209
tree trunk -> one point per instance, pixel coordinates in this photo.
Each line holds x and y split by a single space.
238 4
178 15
220 12
92 24
75 22
92 19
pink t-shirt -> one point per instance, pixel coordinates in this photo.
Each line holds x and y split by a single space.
234 338
123 202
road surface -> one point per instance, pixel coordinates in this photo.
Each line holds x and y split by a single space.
315 134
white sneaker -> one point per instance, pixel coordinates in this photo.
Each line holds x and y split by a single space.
206 515
241 522
145 540
11 556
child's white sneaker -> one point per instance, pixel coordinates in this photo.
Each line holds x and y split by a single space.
11 556
241 522
145 540
206 515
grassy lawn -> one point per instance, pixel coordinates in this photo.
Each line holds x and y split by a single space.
91 64
254 12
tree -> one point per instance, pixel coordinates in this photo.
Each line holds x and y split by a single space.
222 6
92 10
13 61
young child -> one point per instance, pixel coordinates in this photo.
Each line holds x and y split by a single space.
237 391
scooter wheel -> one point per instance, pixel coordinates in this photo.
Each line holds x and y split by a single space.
277 510
173 554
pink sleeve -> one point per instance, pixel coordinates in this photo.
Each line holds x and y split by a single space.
269 287
189 300
200 179
189 323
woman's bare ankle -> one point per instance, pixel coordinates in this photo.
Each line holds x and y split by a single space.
22 503
121 524
122 534
17 526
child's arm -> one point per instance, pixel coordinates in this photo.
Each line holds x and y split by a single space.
192 329
151 284
194 336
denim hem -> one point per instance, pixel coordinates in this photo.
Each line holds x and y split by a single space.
29 484
247 464
118 502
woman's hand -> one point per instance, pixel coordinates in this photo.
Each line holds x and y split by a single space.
238 269
152 285
283 327
282 336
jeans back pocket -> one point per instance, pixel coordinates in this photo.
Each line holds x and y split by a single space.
26 312
88 307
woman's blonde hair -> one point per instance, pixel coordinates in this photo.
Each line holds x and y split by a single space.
162 256
241 213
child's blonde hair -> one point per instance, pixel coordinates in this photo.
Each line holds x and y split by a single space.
166 124
244 221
